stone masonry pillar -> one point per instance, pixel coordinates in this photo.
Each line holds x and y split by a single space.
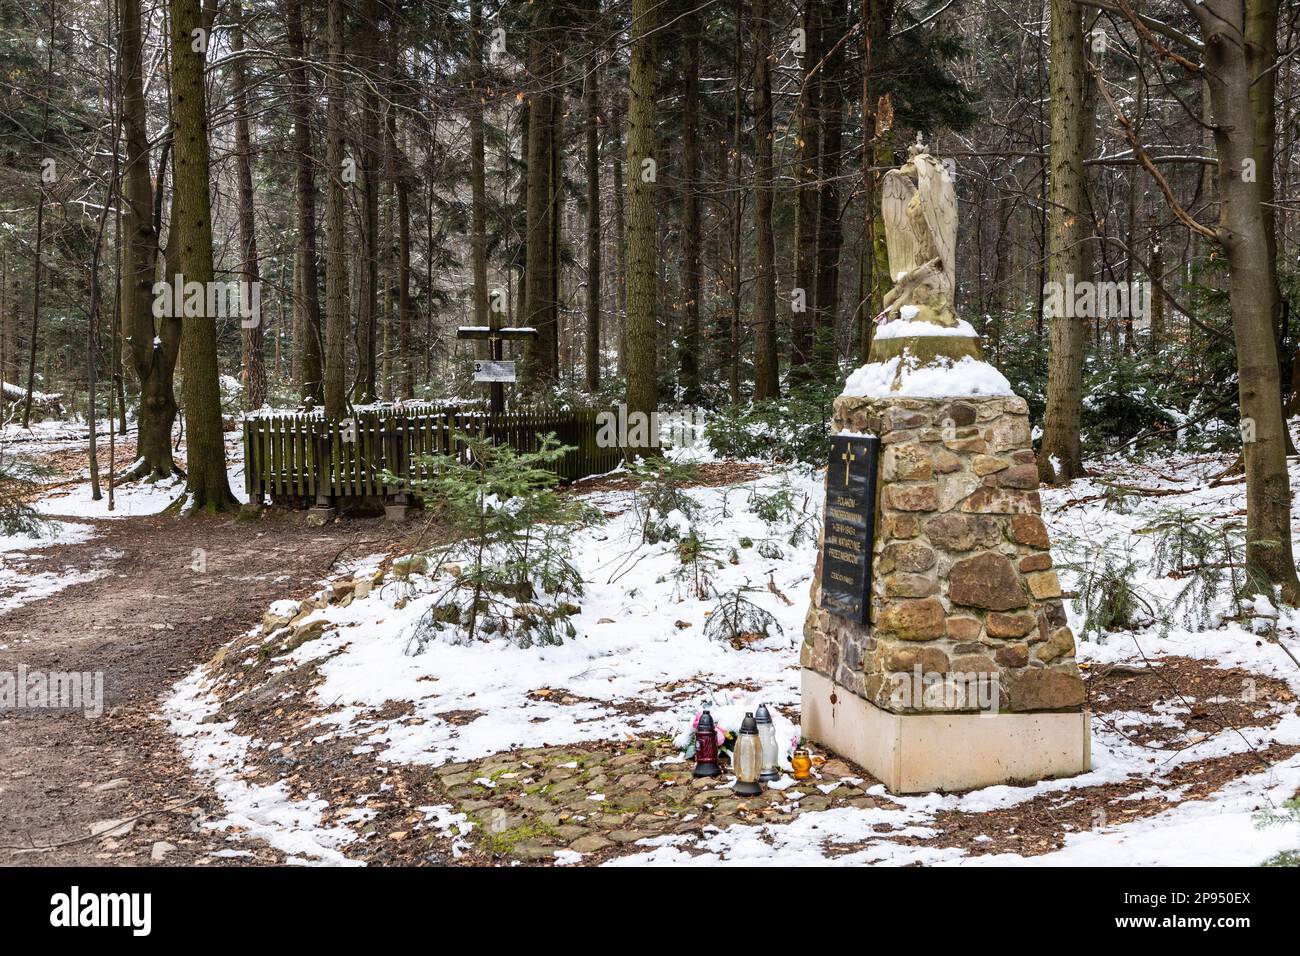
965 675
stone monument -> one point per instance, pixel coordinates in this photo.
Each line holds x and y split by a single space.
936 653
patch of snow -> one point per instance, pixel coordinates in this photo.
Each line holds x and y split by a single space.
216 753
56 532
640 641
907 328
18 587
943 378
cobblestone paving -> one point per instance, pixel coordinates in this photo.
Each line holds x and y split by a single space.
599 801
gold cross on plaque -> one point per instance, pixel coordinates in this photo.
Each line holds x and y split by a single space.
848 456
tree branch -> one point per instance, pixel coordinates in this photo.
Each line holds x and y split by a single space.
1152 24
1131 135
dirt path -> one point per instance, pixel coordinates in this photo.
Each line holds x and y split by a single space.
144 624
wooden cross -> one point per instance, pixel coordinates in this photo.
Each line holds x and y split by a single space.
848 456
495 336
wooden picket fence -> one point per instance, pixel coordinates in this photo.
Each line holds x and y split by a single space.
307 456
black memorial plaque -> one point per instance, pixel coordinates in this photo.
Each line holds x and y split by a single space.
850 530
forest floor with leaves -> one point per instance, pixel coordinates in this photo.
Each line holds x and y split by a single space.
272 707
142 599
380 744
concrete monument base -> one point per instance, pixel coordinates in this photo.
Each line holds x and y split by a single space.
920 753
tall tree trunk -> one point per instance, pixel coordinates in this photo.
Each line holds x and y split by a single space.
206 486
336 261
691 343
368 268
766 383
40 232
154 342
555 181
96 297
1157 293
388 279
1261 55
737 200
251 334
1242 234
400 174
1060 458
307 301
874 279
478 190
539 371
406 360
829 227
6 317
620 233
591 103
804 296
642 258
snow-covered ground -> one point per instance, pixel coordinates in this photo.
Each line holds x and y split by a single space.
137 497
20 583
640 663
69 496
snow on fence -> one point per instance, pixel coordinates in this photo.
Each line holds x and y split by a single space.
307 456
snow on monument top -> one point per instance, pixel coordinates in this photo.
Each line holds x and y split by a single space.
921 348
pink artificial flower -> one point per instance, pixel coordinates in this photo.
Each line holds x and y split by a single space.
718 731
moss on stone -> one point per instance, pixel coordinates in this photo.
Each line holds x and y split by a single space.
501 844
925 349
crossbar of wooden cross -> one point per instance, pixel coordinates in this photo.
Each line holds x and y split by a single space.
494 336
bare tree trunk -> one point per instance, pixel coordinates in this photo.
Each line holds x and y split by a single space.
36 308
251 335
154 342
1242 234
478 228
642 351
307 301
336 261
550 335
40 231
368 268
1261 54
620 234
766 371
803 303
591 103
829 227
1061 458
207 486
1157 295
5 324
689 355
873 275
539 370
737 204
406 361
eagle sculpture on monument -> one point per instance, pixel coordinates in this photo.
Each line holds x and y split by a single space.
919 206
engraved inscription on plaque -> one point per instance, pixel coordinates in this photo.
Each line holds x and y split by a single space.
849 534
